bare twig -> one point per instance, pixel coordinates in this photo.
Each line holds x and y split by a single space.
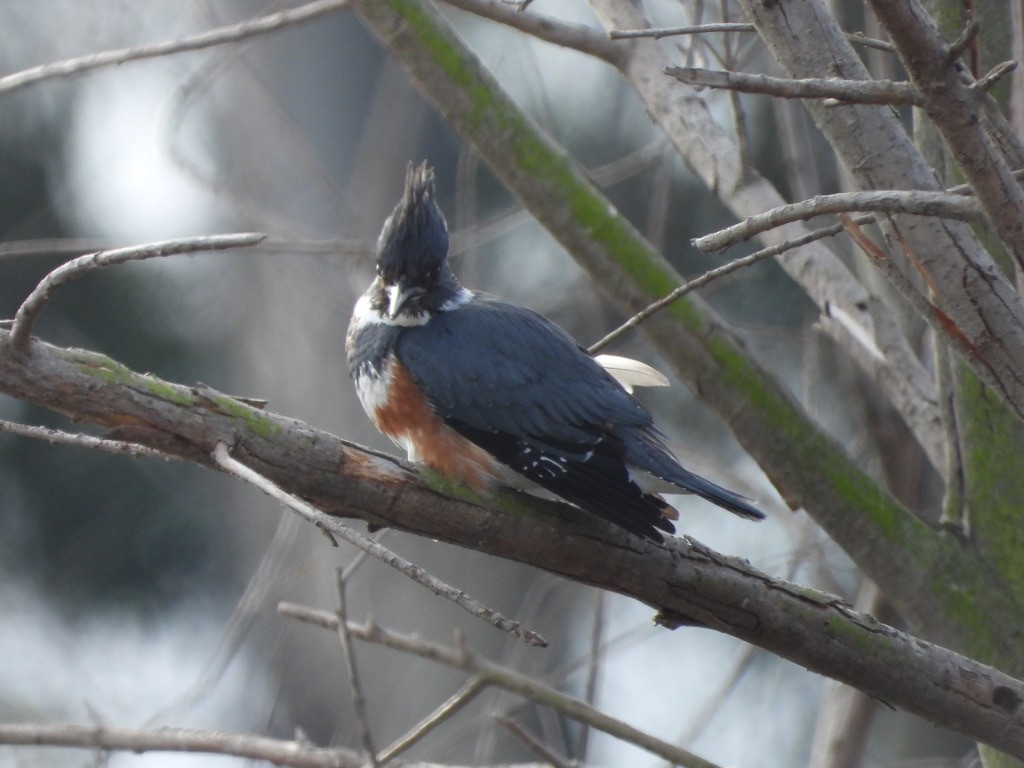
692 29
73 246
228 34
58 437
454 704
848 91
490 673
358 698
917 202
331 524
657 33
52 246
593 665
964 39
361 556
709 276
72 270
955 515
994 76
276 751
731 63
539 748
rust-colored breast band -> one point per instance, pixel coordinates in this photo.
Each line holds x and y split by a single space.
408 419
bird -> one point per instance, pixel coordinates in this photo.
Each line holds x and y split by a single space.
488 393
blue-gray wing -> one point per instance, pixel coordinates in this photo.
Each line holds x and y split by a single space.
519 387
499 367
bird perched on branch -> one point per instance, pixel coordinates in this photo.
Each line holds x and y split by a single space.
483 390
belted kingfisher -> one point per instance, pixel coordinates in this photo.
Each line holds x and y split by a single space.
474 386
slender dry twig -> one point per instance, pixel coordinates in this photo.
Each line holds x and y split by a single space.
657 33
730 63
74 246
59 437
538 747
72 270
361 556
52 246
709 276
358 698
955 515
453 704
994 76
219 36
964 39
918 202
593 664
276 751
326 522
691 29
848 91
462 658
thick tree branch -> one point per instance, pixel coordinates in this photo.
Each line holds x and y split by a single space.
684 581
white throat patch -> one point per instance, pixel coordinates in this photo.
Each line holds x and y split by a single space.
364 314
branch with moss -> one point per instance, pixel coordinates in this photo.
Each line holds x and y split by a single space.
684 581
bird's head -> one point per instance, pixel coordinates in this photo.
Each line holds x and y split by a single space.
413 277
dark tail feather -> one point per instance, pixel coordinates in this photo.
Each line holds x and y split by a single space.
646 451
723 497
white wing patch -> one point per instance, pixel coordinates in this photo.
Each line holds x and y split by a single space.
631 373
